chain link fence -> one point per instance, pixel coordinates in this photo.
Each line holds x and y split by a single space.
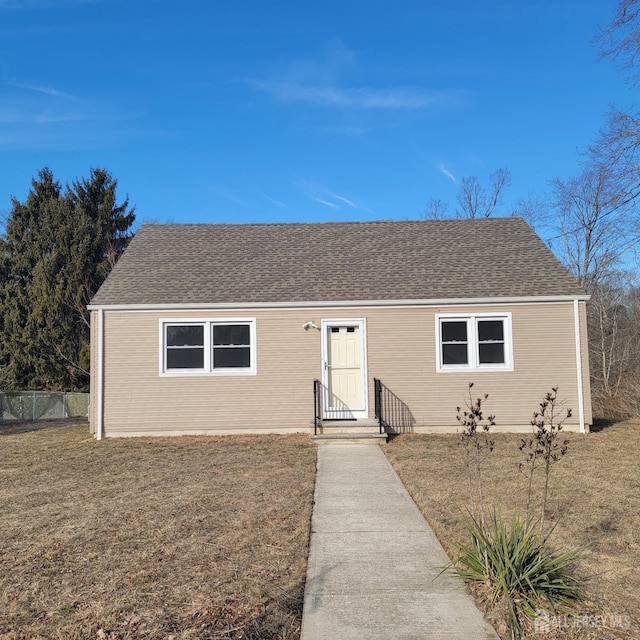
42 405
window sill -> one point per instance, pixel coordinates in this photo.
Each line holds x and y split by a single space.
207 374
487 369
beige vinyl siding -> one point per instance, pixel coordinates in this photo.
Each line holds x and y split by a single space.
400 350
278 397
543 356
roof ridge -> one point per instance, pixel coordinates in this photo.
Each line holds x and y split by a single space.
469 221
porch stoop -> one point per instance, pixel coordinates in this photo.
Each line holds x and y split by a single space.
348 431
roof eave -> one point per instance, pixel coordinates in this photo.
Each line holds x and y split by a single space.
320 304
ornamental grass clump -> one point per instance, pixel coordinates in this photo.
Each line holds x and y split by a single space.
513 559
518 568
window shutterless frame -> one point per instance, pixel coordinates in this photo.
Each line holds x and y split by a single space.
473 342
184 347
207 346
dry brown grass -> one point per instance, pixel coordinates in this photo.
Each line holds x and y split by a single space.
152 538
595 501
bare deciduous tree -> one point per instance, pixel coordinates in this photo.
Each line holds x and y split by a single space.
618 143
436 209
614 312
597 222
618 147
531 209
474 199
614 346
620 40
596 215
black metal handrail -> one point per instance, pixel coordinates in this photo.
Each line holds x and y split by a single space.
377 392
392 413
318 395
317 406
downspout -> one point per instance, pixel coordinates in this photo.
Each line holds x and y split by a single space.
100 375
576 319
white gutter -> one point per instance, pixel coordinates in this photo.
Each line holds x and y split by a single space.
100 376
576 319
334 303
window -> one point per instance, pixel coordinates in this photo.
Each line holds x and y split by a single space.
200 347
491 342
231 346
480 342
455 342
185 346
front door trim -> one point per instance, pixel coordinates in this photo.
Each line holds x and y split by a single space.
360 412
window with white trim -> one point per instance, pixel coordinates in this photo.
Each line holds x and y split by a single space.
184 346
480 342
231 346
201 347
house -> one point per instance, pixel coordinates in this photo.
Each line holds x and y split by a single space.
223 328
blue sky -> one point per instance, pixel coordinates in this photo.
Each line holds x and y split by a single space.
280 111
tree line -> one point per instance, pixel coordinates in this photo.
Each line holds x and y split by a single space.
58 247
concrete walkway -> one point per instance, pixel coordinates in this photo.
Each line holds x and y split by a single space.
373 559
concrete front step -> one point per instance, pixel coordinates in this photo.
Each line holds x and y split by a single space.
365 430
349 438
355 426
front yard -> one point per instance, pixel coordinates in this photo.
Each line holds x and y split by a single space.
186 538
152 538
595 500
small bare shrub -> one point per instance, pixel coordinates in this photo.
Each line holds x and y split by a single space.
477 445
513 559
544 447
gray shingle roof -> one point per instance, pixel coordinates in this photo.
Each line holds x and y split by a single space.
350 261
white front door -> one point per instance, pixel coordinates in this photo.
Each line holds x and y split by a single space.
344 369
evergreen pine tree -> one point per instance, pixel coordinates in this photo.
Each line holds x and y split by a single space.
58 249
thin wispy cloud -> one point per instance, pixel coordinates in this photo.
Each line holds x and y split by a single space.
25 104
228 195
355 98
329 80
53 118
445 172
276 202
326 203
319 193
42 116
63 135
346 201
47 91
40 4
